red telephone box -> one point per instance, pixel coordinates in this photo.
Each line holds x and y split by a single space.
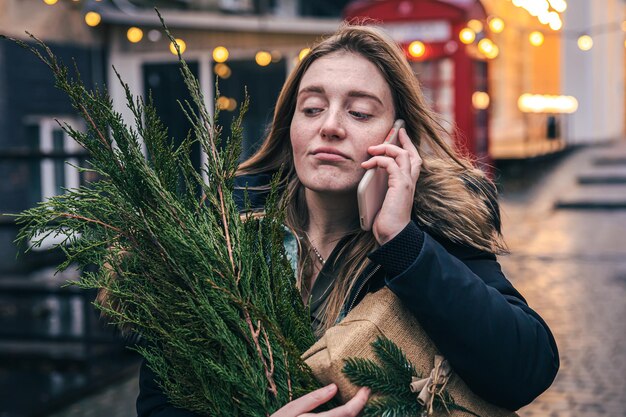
449 71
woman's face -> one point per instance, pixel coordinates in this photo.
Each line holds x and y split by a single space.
344 105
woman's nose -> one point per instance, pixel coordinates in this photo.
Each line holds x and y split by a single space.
333 126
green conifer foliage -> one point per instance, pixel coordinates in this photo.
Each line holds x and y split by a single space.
211 294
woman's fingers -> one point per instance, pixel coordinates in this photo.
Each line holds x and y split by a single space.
307 402
385 162
350 409
409 146
405 154
400 155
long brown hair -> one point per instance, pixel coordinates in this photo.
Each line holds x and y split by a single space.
453 199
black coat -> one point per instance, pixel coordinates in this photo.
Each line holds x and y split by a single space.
493 340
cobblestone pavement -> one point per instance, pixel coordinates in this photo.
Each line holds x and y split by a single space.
571 267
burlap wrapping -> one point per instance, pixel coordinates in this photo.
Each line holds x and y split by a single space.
382 313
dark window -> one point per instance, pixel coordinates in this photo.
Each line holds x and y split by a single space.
263 85
59 164
165 83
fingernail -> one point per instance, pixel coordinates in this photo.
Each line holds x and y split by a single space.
330 387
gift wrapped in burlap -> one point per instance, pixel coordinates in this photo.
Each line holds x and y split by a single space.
382 314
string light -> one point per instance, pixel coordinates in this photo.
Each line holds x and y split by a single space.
220 54
554 21
50 2
476 25
181 45
536 38
585 43
263 58
134 34
541 10
496 24
304 52
92 19
226 103
417 49
154 35
488 48
222 70
223 103
480 100
467 35
558 5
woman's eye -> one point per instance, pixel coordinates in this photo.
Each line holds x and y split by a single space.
311 111
360 115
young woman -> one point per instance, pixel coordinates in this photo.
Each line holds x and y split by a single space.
433 243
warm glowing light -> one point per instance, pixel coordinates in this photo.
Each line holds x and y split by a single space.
541 10
555 21
480 100
538 103
134 34
223 103
222 70
92 19
496 25
263 58
544 17
476 25
467 36
50 2
558 5
226 103
624 26
585 43
181 45
488 48
536 38
304 52
493 53
220 54
417 49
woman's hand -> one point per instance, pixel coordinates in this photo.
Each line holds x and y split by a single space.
301 406
403 164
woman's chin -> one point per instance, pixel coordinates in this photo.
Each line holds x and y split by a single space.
331 186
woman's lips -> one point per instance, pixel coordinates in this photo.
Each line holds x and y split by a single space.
329 154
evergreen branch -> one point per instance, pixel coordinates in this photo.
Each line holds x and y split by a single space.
85 219
255 337
390 382
196 94
392 357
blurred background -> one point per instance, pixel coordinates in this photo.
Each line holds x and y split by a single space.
535 88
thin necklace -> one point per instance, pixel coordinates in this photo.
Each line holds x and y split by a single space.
317 253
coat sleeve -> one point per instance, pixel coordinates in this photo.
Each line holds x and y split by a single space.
151 401
494 341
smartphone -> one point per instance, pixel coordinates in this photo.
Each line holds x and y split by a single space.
373 186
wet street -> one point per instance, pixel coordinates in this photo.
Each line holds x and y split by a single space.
569 263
